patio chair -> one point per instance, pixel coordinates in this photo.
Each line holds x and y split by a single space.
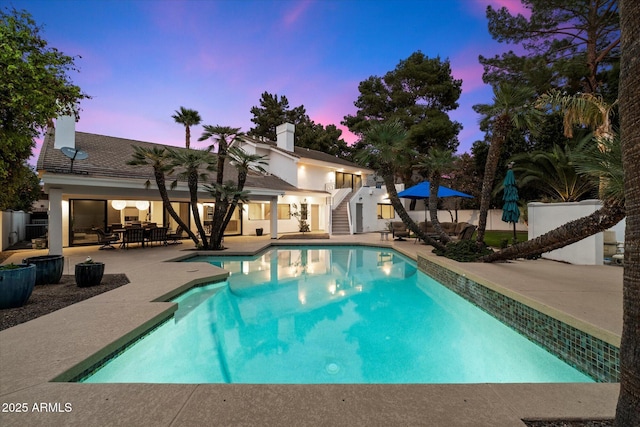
466 233
106 239
157 234
399 230
175 237
133 235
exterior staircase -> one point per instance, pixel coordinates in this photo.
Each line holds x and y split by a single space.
340 218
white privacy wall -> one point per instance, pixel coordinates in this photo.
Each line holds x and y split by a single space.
544 217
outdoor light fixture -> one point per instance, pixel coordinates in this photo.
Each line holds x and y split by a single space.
142 205
118 204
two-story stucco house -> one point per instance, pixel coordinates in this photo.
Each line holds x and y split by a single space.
98 188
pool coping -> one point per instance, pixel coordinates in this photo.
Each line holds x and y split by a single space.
584 346
588 348
25 376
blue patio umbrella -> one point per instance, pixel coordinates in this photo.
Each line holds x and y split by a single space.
422 191
510 210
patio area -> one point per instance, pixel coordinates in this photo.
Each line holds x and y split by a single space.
35 353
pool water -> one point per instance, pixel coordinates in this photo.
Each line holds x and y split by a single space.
331 315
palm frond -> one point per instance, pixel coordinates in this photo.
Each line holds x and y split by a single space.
244 161
602 164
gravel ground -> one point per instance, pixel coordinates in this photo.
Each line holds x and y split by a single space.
48 298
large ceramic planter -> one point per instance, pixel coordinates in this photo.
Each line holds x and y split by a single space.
48 268
16 285
89 274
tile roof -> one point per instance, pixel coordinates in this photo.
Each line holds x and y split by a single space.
307 153
108 156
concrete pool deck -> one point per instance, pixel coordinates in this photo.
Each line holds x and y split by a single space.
34 353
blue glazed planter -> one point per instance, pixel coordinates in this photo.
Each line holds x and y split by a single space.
16 285
89 274
48 268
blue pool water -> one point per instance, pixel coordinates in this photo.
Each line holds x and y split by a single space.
330 315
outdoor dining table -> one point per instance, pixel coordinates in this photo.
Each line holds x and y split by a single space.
121 232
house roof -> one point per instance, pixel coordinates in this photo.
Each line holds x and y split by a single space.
108 156
307 153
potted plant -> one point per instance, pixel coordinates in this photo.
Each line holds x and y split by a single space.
89 273
16 284
301 216
48 268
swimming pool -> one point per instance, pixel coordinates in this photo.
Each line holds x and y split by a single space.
330 315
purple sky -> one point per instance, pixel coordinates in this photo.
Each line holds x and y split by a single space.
141 60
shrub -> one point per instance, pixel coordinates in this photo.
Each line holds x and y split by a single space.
463 251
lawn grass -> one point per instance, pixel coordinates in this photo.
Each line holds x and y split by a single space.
495 238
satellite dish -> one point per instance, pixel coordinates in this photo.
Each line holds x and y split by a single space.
74 154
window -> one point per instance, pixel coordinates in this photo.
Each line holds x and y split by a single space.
85 216
258 211
385 211
348 180
284 211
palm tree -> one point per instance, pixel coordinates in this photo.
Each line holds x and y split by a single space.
437 163
596 163
553 173
194 165
628 409
223 137
187 118
385 150
230 194
582 109
508 111
605 162
159 160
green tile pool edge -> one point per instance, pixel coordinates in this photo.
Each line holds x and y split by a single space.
593 356
589 354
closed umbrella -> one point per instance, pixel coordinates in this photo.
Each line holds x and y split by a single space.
510 210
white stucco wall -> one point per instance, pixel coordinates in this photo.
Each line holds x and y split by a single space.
289 225
284 167
369 197
544 217
494 217
12 228
311 177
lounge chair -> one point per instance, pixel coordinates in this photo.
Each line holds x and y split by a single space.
106 239
399 230
466 233
175 237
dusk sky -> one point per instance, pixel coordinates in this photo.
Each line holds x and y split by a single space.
141 60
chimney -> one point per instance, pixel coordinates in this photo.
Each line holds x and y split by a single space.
65 132
285 134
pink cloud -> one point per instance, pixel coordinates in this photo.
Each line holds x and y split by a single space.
292 16
471 75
